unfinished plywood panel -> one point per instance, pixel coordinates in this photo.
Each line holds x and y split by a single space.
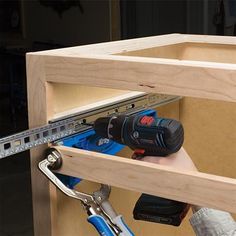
210 134
73 96
220 53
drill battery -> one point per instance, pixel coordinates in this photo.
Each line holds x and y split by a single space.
160 210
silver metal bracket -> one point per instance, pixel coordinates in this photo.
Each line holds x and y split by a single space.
54 161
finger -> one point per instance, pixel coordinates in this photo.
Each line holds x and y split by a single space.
136 156
152 159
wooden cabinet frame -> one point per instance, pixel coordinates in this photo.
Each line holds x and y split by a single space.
185 65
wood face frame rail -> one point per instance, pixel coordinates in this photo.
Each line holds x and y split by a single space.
188 186
103 65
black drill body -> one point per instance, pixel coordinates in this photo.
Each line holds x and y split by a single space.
156 137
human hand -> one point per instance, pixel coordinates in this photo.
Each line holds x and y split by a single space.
179 160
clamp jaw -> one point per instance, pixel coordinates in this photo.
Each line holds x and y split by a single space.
100 213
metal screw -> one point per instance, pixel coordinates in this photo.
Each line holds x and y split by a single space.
135 134
51 158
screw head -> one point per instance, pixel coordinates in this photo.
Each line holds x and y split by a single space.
135 134
54 157
51 158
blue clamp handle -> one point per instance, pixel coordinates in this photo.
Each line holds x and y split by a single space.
104 229
101 225
126 231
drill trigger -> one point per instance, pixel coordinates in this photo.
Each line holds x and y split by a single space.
138 154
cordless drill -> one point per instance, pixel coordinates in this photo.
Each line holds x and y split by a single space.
152 136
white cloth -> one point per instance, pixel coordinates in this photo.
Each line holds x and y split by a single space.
210 222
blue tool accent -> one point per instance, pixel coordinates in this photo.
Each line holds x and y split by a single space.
126 231
126 226
101 225
148 113
88 140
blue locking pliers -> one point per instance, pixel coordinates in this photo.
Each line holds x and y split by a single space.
100 212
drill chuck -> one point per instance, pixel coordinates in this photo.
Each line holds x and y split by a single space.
110 127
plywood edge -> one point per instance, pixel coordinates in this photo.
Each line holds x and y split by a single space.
192 187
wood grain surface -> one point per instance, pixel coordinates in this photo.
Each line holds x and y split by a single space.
192 187
154 75
185 65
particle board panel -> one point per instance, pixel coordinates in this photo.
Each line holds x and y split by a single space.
73 96
208 52
210 135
